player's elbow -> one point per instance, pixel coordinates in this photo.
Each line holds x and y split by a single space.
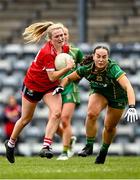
52 79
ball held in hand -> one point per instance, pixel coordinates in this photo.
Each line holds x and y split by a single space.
61 60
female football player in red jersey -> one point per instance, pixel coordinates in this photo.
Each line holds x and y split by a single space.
40 81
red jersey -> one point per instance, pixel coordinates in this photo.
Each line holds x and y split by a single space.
10 121
36 77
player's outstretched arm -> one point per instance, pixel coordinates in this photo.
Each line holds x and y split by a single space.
131 114
72 77
55 75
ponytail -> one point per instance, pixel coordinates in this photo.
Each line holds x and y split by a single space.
34 32
87 60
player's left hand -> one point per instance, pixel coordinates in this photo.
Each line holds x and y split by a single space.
58 90
131 115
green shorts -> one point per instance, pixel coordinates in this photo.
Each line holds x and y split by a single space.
71 97
119 103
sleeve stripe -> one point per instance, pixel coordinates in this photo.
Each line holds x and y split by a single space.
117 73
121 76
50 69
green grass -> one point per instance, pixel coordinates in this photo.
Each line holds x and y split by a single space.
116 167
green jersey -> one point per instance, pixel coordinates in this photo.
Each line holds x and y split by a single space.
77 55
105 82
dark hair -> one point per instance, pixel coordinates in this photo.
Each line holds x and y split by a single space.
101 47
89 58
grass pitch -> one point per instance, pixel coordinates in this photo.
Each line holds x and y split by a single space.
116 167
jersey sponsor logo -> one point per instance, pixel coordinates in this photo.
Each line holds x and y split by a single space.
100 84
99 78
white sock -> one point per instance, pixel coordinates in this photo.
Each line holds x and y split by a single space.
11 143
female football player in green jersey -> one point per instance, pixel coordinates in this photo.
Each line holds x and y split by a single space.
70 98
110 89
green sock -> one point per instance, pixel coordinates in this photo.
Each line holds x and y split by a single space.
105 147
65 149
90 140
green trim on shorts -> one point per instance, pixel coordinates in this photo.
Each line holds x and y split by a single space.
71 97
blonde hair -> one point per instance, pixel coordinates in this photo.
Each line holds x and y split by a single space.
51 28
34 32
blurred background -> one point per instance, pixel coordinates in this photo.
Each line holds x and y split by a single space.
114 23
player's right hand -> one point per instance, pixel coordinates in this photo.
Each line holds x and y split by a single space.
70 64
58 90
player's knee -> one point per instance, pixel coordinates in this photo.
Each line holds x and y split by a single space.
92 115
57 115
64 124
66 120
